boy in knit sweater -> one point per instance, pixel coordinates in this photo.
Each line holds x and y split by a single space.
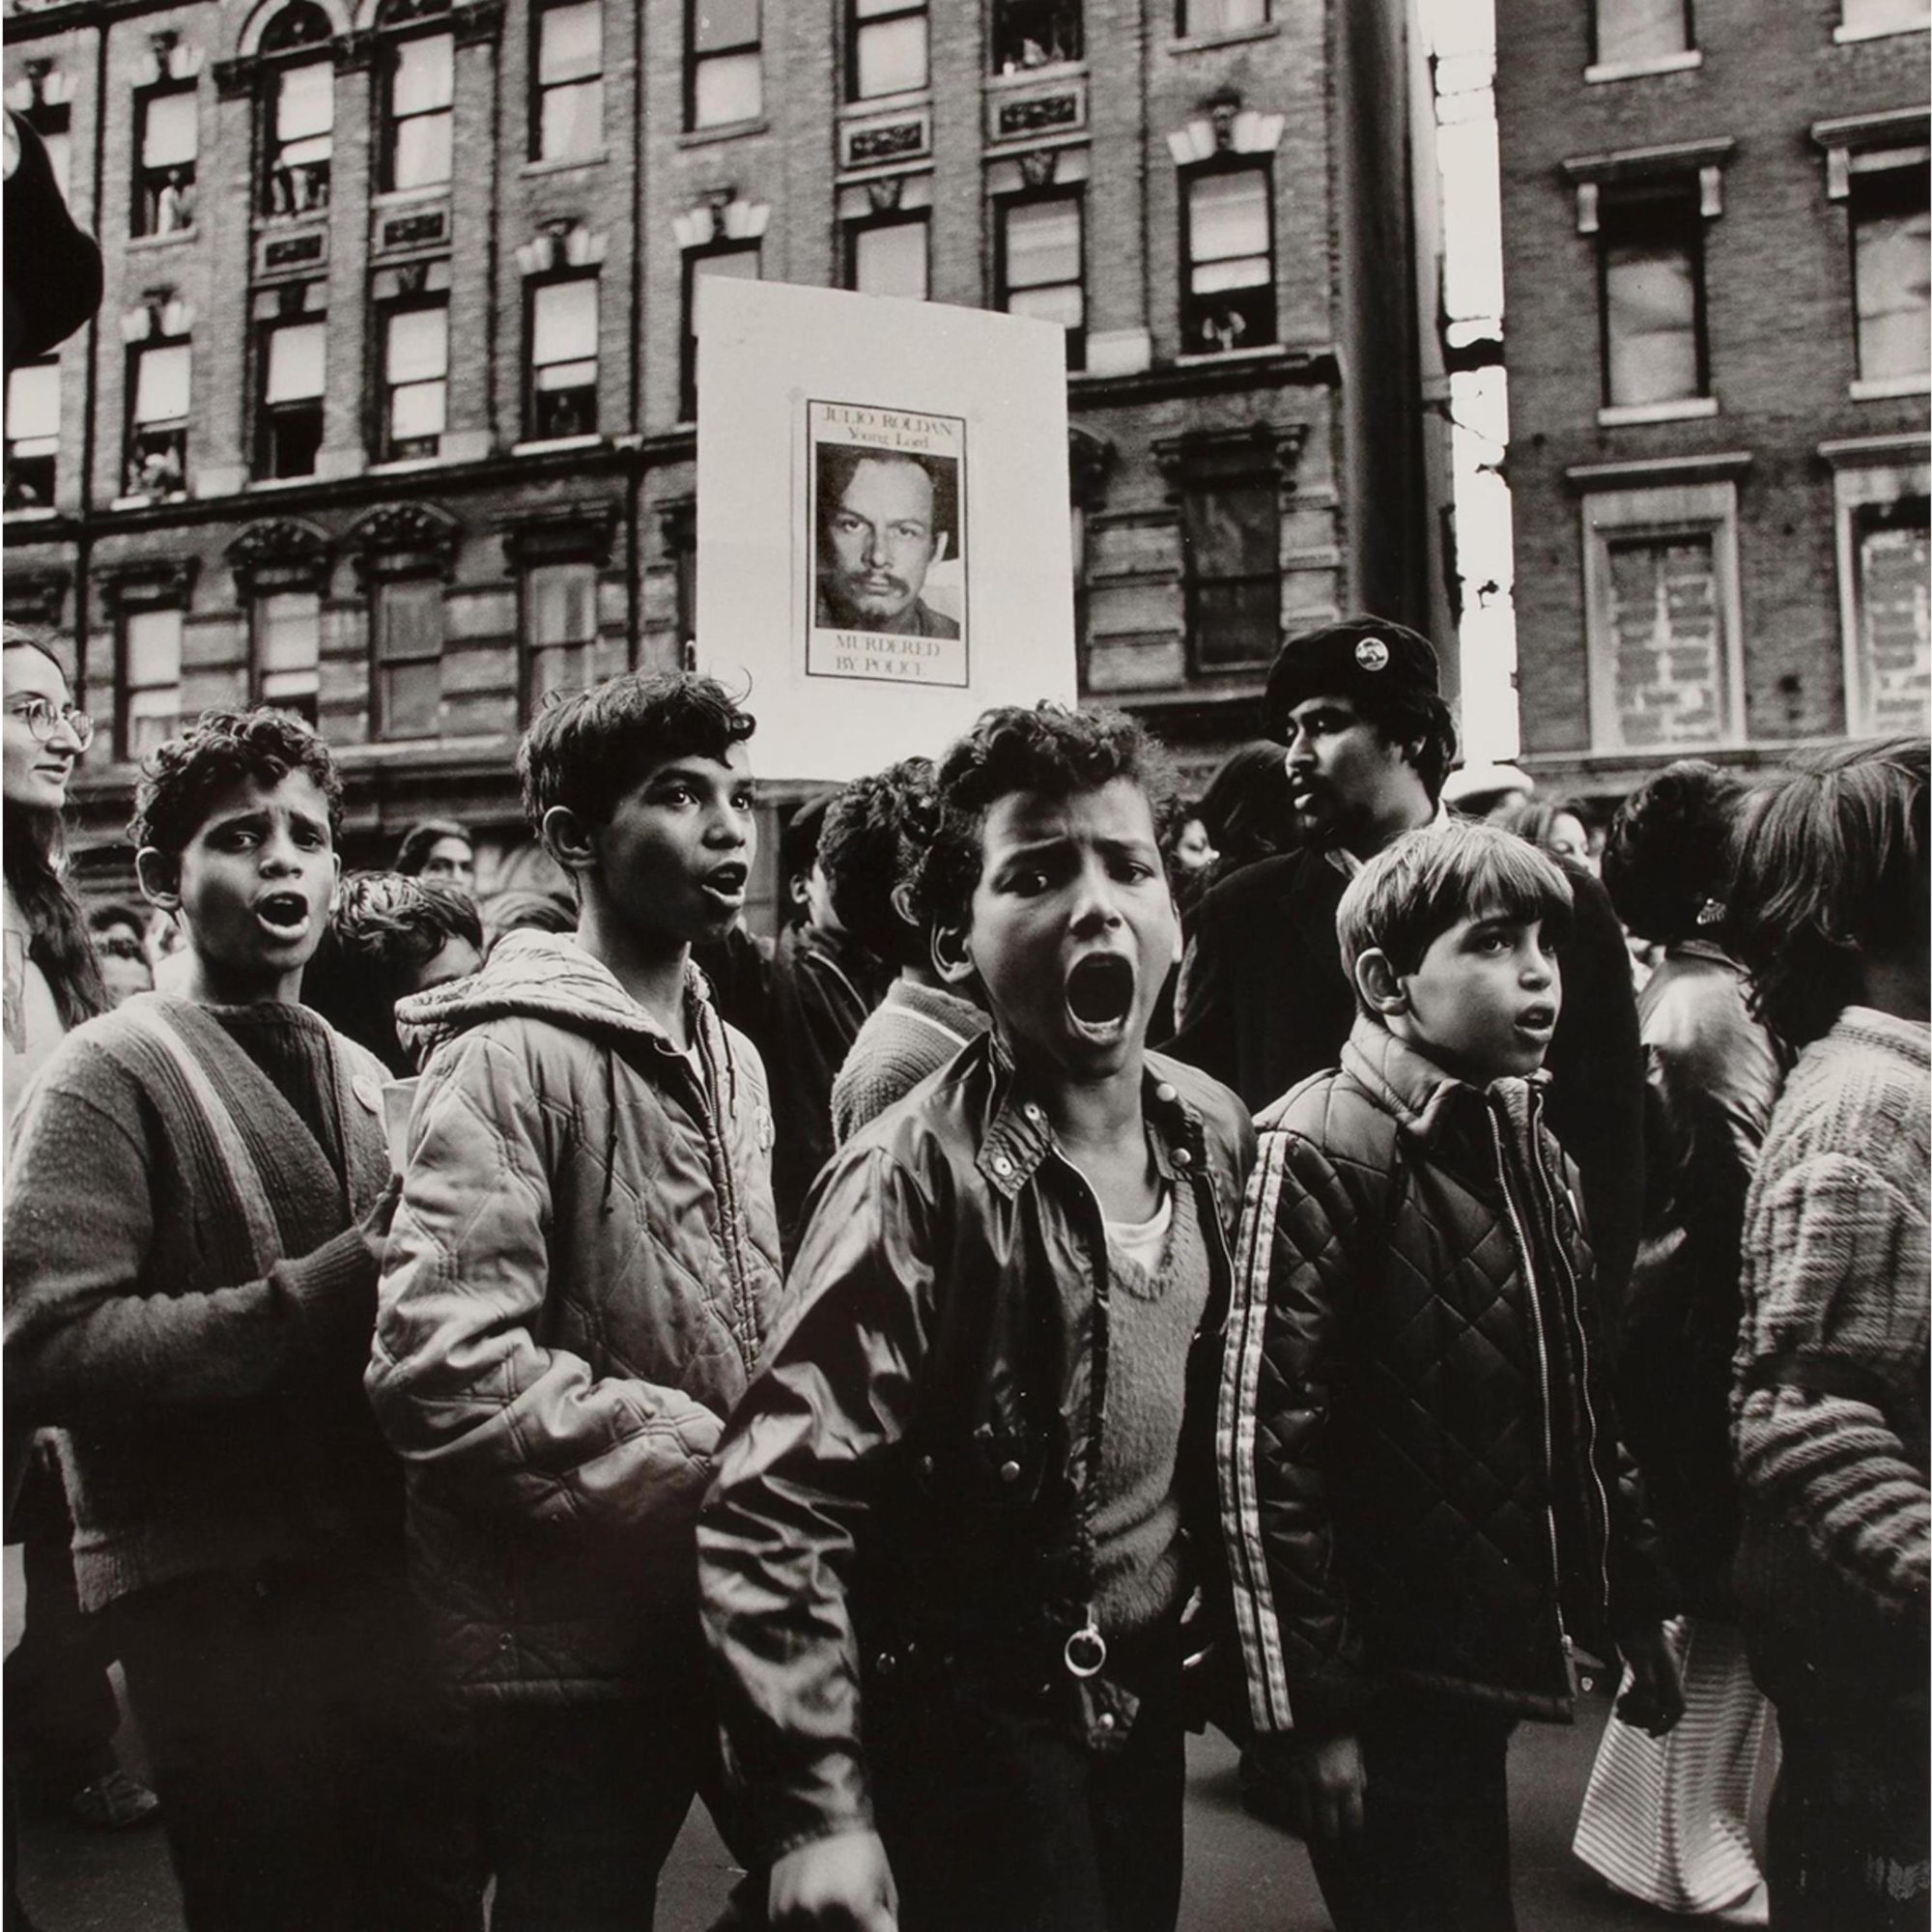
199 1200
963 1504
876 832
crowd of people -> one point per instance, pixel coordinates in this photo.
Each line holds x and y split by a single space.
1297 1259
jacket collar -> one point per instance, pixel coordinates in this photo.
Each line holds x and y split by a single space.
1425 1097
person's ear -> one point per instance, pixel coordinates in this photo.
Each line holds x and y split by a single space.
902 899
567 839
159 875
952 958
335 883
1378 983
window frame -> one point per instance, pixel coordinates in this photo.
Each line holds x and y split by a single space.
1007 25
390 123
686 376
1226 165
1598 58
1681 194
259 675
267 415
172 431
1184 28
1873 173
51 457
540 90
533 651
871 224
384 662
1004 207
856 27
1869 474
1198 482
129 605
384 443
280 60
144 212
533 290
695 62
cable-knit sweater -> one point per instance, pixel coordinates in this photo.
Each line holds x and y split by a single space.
188 1298
1830 1416
915 1031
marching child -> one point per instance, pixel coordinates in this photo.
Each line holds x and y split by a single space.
1418 1456
582 1268
960 1509
199 1197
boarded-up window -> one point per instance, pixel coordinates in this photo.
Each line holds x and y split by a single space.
1666 631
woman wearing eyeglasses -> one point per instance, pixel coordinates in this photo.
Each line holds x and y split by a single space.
52 979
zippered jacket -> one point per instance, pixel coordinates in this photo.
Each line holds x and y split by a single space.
906 1496
580 1277
1420 1478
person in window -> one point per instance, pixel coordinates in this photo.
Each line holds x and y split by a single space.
885 521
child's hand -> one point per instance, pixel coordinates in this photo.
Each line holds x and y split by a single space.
840 1885
1654 1699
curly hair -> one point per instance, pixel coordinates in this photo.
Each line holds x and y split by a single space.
181 777
1670 848
874 834
1046 750
1831 869
422 839
588 749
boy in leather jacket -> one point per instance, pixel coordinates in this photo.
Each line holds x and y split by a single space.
958 1513
1420 1475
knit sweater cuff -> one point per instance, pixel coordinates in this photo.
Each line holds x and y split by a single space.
333 1293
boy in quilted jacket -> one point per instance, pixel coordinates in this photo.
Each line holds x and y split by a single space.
1420 1479
579 1279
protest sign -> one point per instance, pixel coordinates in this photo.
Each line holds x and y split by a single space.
883 523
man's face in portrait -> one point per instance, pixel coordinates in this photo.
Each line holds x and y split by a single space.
879 544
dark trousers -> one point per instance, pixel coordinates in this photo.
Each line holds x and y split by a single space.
578 1805
287 1722
996 1821
1434 1856
1847 1836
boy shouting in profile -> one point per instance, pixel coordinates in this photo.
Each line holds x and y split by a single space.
1419 1448
960 1510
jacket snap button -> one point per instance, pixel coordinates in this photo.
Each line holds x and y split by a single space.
1165 1091
885 1664
925 1466
1002 1166
1031 1110
1106 1720
1010 1472
1183 1158
506 1641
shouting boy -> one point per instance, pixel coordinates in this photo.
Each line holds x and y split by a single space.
1419 1463
583 1267
199 1199
960 1509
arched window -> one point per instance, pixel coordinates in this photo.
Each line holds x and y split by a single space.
298 110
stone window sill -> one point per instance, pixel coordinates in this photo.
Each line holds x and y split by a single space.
557 164
1227 36
1847 36
1636 70
726 131
1686 408
1876 389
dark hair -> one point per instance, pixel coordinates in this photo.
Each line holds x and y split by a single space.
587 750
1535 819
1416 889
33 856
105 913
385 928
798 852
422 839
1245 808
1046 750
874 834
1670 848
839 462
524 909
1831 868
1421 718
222 748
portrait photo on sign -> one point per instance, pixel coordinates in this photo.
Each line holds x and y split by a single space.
887 523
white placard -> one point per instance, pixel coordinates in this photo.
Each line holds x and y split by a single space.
883 519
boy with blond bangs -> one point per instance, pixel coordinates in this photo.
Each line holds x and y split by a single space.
1420 1478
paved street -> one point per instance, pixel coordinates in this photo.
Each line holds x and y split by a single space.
1242 1876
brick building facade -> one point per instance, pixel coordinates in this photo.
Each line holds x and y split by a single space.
387 411
1714 240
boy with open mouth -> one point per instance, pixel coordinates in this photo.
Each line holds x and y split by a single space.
962 1505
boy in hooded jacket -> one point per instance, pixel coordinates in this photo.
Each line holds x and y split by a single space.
1424 1502
582 1271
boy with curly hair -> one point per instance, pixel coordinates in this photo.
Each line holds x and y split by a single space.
963 1504
199 1200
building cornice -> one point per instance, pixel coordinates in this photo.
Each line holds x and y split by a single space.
1280 369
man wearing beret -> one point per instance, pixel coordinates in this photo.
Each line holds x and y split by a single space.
1263 1000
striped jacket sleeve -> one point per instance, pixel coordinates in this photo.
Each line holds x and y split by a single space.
1286 1355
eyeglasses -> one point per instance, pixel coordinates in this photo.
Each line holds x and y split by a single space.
41 720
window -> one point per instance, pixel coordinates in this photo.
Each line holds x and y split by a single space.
1650 253
1630 31
1859 18
723 82
302 137
1230 548
416 111
288 427
1035 33
416 380
1228 297
1893 549
167 140
33 433
568 116
1662 618
886 47
1039 266
151 668
888 258
407 620
1892 240
159 380
732 258
1219 16
560 623
563 398
288 650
